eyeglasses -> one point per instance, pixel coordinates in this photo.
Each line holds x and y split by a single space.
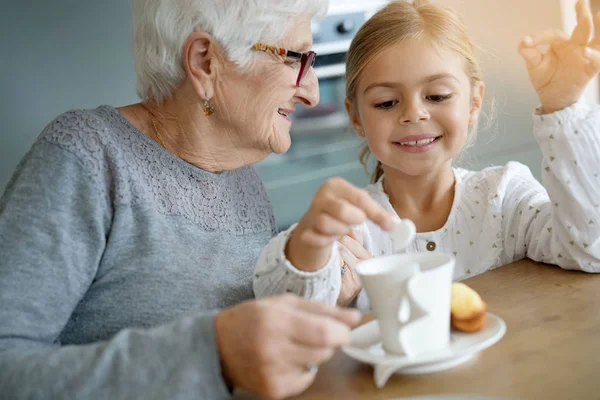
307 60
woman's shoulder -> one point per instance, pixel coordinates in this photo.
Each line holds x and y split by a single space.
86 133
101 141
85 121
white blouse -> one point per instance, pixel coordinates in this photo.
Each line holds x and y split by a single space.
499 215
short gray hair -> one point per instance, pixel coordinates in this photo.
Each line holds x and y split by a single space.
160 28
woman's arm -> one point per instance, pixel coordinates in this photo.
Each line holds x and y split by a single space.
54 220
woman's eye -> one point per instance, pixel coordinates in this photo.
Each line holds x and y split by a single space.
291 62
386 104
438 98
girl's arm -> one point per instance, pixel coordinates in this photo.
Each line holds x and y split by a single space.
564 228
561 223
275 274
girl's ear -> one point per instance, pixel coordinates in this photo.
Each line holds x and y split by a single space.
354 118
476 102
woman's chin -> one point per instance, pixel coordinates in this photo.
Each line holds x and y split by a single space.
280 141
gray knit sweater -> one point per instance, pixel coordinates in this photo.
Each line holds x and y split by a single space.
114 257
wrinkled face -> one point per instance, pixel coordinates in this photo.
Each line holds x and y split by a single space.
413 104
257 103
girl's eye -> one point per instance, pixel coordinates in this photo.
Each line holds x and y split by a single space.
438 98
386 104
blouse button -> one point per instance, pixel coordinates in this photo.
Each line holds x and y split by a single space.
431 246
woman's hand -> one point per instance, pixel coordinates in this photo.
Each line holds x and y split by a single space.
561 74
267 346
352 252
337 206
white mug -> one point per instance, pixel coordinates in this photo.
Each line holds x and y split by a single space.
410 297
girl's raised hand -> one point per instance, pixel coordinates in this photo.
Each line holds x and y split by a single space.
561 74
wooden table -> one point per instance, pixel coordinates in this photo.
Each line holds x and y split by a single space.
551 349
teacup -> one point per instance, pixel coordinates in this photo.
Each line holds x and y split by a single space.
410 297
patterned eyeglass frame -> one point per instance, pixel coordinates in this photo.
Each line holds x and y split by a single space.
307 60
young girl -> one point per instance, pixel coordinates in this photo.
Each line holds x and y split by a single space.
414 91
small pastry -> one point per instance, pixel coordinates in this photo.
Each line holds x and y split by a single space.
467 310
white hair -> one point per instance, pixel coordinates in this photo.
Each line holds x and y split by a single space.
160 28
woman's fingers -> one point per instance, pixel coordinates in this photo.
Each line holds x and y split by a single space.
302 355
346 316
298 383
267 345
320 331
583 31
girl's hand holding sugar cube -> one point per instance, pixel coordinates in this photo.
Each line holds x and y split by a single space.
336 207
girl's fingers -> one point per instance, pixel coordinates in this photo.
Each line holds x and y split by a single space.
593 55
347 257
355 248
356 236
343 210
595 43
552 37
314 239
328 225
583 31
532 56
528 47
361 199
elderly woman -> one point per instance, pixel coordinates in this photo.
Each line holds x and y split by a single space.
125 230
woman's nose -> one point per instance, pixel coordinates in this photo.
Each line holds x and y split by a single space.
308 91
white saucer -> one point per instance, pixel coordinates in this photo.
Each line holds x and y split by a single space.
366 347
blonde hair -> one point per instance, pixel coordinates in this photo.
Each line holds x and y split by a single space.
402 21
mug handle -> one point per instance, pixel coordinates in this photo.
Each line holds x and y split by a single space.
409 305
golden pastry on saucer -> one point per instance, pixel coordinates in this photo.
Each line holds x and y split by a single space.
467 310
